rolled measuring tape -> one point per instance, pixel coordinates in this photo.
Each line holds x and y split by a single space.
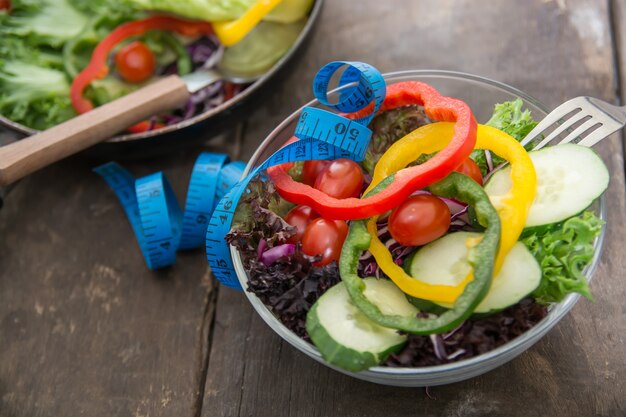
160 226
323 135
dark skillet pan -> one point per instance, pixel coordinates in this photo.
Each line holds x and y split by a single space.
190 130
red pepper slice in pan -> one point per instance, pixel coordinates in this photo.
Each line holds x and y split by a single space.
145 126
98 67
406 181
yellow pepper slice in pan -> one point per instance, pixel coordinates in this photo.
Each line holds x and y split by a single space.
231 32
512 207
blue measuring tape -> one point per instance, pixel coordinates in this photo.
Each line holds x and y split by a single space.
323 135
162 228
159 224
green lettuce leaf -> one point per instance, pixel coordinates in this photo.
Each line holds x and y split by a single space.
34 89
563 251
108 89
43 22
33 95
209 10
509 118
43 45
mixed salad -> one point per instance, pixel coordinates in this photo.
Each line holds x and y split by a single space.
463 265
59 58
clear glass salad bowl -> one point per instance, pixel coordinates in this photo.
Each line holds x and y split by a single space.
481 94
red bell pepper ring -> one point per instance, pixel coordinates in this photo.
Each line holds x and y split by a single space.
98 68
404 182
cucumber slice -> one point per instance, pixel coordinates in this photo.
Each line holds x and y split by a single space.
289 11
569 178
261 48
444 262
348 339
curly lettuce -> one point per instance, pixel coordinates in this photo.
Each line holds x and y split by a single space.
39 22
563 252
40 41
34 95
509 118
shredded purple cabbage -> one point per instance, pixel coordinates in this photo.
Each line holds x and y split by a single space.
270 256
489 160
493 171
204 52
472 338
438 347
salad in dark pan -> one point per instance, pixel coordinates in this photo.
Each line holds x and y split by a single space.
459 268
60 58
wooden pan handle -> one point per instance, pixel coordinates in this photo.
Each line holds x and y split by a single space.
35 152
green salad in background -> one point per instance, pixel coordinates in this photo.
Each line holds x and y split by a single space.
45 44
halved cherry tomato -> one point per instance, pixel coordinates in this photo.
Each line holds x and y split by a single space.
471 169
311 170
5 4
342 178
300 217
135 62
419 220
324 237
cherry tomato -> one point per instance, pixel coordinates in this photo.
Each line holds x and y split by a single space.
5 4
470 168
324 237
312 170
300 217
419 219
135 62
342 178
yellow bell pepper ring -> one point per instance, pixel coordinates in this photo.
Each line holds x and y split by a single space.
231 32
512 207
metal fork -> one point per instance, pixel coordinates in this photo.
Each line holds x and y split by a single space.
598 119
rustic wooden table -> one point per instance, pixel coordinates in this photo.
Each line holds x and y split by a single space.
86 329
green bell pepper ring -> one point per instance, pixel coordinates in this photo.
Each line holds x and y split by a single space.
481 257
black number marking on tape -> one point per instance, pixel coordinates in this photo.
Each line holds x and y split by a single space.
340 128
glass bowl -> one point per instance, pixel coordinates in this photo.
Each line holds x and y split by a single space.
481 94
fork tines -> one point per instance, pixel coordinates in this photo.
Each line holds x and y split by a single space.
581 120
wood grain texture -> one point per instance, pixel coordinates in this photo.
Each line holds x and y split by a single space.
86 328
553 50
35 152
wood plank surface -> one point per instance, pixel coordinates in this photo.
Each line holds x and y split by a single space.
553 50
85 327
